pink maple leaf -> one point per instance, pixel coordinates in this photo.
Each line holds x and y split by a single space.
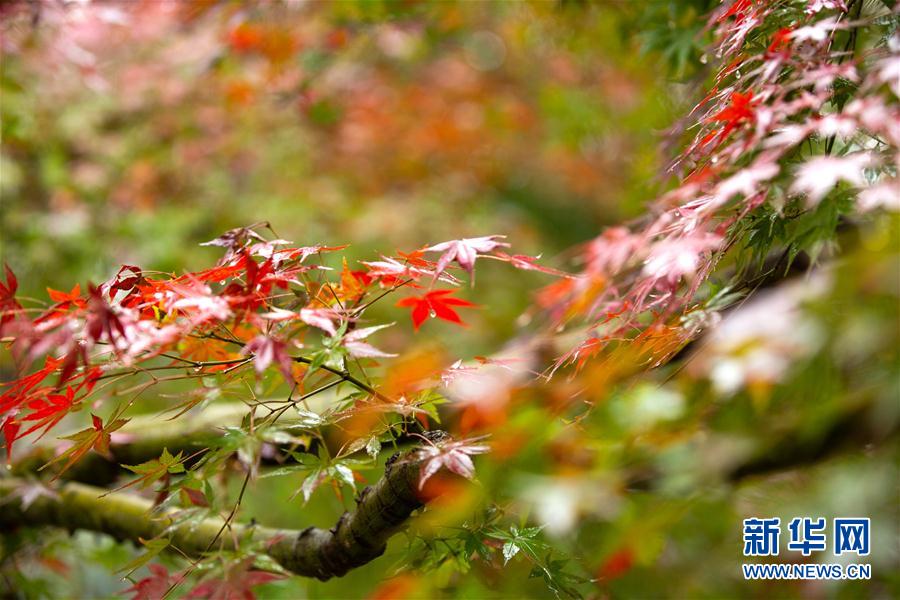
454 456
464 251
355 343
323 318
818 175
268 350
671 259
529 263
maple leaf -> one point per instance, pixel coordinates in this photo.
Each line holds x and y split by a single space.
814 6
66 299
268 350
96 437
529 263
817 32
884 194
235 238
155 469
306 251
781 43
746 181
198 302
454 456
609 252
464 251
435 304
355 343
21 390
9 306
269 249
818 175
389 271
214 275
234 584
323 318
739 110
670 259
737 10
127 280
103 320
195 497
235 241
10 429
258 281
415 258
154 586
352 285
50 410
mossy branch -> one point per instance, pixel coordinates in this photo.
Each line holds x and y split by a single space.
357 538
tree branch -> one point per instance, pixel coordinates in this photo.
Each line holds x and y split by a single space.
355 540
344 375
141 439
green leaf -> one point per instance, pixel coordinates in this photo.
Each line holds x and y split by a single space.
310 484
510 549
285 471
154 547
345 474
373 447
309 418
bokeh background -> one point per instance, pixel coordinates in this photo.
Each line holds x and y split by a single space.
134 131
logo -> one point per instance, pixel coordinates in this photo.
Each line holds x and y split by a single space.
851 536
761 537
807 536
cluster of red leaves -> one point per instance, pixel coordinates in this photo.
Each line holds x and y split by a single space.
249 296
764 104
237 583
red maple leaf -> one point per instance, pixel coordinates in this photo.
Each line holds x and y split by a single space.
50 410
97 437
781 42
236 583
436 304
126 280
154 586
102 319
739 110
415 258
8 303
67 299
738 10
616 564
10 429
